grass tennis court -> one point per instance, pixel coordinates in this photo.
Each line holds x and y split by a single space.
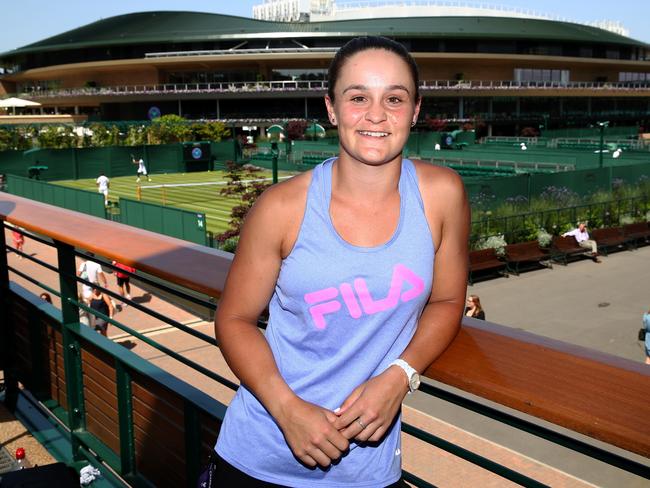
198 192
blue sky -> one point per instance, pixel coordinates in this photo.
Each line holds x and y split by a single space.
27 21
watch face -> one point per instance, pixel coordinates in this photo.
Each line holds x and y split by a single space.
414 383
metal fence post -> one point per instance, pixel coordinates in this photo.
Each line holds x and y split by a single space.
192 443
7 350
71 346
125 415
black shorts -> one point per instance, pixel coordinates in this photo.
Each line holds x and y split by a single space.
122 281
226 474
101 325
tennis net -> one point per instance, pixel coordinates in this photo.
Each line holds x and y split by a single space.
181 193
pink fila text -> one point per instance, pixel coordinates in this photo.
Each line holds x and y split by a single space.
326 301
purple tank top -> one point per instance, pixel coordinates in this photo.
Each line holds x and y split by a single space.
339 315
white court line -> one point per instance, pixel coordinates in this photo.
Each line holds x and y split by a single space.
161 329
215 183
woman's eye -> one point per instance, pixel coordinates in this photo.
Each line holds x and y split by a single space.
358 99
394 100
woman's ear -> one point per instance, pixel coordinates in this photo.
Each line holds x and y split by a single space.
330 109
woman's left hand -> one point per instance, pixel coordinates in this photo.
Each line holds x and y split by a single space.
368 412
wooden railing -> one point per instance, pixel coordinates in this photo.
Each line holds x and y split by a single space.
105 395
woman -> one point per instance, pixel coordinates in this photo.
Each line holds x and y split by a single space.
344 257
646 325
19 241
474 308
101 302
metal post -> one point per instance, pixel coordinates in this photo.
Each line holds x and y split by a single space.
71 346
602 126
274 152
7 350
192 442
125 417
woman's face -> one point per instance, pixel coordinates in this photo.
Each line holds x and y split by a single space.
374 106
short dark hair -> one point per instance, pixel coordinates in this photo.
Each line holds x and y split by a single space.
359 44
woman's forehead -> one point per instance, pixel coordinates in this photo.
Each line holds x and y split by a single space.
377 66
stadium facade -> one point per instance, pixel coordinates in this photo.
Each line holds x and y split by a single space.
508 71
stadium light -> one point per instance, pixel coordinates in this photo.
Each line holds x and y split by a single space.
602 126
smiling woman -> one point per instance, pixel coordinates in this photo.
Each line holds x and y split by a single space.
344 258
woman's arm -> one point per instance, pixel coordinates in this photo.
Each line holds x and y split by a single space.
251 280
107 301
377 401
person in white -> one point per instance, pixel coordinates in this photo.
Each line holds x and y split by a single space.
93 272
102 186
582 236
142 169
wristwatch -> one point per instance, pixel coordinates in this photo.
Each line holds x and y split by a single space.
411 374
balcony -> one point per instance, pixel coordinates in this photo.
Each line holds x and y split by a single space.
318 88
140 424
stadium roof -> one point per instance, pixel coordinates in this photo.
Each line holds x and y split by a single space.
175 27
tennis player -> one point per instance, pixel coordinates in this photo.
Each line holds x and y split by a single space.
142 169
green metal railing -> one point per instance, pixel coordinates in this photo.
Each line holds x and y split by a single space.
77 338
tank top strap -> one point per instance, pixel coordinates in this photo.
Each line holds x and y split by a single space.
409 182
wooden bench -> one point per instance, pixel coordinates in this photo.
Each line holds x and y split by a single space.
485 259
525 252
608 237
562 248
635 232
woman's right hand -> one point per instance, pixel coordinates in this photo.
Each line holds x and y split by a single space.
310 434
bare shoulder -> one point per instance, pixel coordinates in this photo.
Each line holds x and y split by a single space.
439 181
285 196
276 217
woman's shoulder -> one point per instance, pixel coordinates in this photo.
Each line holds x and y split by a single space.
439 177
287 194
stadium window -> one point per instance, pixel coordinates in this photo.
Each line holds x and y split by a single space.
630 76
613 54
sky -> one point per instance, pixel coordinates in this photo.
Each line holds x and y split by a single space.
28 21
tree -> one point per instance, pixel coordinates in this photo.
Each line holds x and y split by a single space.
296 129
209 131
246 192
169 129
435 124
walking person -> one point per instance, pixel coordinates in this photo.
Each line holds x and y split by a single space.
123 280
343 255
101 302
91 271
646 326
18 239
103 184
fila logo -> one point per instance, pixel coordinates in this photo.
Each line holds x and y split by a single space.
326 301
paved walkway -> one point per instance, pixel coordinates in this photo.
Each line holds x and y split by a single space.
562 303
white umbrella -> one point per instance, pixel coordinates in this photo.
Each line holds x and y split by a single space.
17 102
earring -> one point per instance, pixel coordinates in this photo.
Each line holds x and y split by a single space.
413 123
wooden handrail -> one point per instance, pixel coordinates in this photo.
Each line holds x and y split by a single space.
593 393
198 267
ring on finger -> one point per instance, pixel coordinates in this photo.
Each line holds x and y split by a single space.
363 426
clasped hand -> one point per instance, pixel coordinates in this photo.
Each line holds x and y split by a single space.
318 436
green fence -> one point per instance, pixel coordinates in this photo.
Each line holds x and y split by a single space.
170 221
592 132
489 192
79 163
71 198
525 226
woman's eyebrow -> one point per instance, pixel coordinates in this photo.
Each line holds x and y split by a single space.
364 87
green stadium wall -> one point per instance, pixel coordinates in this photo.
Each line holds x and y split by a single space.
90 203
170 221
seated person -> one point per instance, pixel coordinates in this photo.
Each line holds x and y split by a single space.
474 308
582 236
